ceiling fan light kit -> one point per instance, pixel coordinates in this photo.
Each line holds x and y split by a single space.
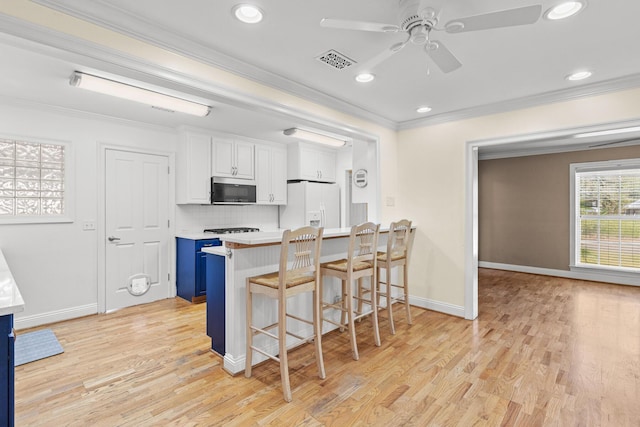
564 10
157 100
247 13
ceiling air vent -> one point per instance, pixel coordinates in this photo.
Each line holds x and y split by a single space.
336 60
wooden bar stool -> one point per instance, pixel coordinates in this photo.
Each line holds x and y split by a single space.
397 254
360 263
292 278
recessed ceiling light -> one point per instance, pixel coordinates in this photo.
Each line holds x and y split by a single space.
564 10
248 13
423 109
365 77
580 75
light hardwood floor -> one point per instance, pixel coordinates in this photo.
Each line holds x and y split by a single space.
544 351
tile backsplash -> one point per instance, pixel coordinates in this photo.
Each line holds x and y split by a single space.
195 218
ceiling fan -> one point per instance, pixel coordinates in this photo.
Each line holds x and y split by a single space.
417 19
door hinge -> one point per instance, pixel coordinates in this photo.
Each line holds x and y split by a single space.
169 170
169 276
168 223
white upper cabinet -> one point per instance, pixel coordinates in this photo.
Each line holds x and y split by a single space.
311 163
271 175
193 168
233 159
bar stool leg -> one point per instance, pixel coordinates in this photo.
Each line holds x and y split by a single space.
352 326
282 345
343 313
389 299
374 308
247 365
317 325
405 277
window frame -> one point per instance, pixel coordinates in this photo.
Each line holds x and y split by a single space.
69 190
574 259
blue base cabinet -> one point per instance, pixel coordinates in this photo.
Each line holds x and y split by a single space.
191 268
6 371
216 302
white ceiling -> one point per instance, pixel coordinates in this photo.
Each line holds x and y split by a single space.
502 68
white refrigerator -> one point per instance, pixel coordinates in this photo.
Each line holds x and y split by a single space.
311 203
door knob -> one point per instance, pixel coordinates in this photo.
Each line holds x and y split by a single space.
113 239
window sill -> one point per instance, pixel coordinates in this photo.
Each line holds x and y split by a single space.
604 271
36 220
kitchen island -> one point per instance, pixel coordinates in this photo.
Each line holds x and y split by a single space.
252 254
11 302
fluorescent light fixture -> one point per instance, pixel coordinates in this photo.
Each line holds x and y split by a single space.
607 132
365 77
317 137
564 10
138 94
423 109
580 75
248 13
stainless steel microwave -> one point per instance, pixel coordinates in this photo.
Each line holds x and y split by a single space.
230 191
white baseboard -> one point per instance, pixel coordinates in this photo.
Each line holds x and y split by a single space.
578 275
442 307
54 316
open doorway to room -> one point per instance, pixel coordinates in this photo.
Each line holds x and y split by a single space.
519 198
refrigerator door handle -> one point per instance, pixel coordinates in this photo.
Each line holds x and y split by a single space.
322 216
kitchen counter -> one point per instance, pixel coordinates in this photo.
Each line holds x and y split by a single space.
11 301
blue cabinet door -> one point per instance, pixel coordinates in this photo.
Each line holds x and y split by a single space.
6 371
216 302
191 267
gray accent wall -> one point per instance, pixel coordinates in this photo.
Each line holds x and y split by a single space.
524 206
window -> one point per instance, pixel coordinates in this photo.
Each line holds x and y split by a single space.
32 181
606 215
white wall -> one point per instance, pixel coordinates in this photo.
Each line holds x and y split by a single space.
431 182
195 218
55 265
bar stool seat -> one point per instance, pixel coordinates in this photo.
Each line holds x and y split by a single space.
360 263
397 255
300 275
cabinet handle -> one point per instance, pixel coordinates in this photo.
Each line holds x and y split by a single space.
113 239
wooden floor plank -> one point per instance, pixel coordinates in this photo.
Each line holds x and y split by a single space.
543 351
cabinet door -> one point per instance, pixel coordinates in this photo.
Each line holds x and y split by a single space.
263 175
279 176
327 165
308 162
243 160
6 371
193 172
222 161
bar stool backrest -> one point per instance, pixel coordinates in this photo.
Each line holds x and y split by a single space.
306 243
398 242
363 244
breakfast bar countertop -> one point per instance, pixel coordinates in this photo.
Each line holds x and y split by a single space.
275 237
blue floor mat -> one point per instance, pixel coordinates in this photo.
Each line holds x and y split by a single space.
36 345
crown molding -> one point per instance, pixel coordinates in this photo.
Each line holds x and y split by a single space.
583 91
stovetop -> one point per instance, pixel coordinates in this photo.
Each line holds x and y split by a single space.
231 230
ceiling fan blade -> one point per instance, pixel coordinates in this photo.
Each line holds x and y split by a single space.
443 58
371 63
345 24
505 18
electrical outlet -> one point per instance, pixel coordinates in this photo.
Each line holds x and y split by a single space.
391 201
88 225
336 299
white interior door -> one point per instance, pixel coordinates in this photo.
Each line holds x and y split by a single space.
137 228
